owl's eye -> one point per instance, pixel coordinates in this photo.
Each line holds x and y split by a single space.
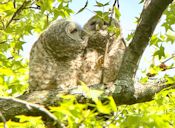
74 31
93 23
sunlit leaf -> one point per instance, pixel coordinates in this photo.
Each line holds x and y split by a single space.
160 53
6 71
117 13
170 36
98 4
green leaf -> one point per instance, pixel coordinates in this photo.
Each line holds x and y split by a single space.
104 16
102 108
98 4
141 1
99 13
170 36
46 5
169 80
160 53
86 4
143 80
155 40
112 104
6 71
130 36
7 8
115 30
117 13
19 44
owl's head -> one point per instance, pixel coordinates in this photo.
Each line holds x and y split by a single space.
102 26
100 31
64 37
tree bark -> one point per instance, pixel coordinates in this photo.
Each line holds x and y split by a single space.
10 107
151 14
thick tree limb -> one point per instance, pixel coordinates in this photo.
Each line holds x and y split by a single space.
147 92
10 107
148 20
152 11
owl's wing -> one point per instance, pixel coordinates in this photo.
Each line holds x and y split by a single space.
41 68
114 60
42 75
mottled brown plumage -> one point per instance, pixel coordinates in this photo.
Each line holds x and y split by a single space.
97 66
62 57
55 57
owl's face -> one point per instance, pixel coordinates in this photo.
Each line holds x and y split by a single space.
65 36
97 25
98 29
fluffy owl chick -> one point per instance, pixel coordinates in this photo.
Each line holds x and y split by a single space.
94 69
99 33
56 56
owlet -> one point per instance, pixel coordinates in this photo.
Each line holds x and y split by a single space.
55 57
101 63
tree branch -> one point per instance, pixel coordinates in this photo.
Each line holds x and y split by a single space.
10 107
112 12
147 92
18 11
149 18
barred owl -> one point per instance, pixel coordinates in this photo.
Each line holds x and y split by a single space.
94 69
55 57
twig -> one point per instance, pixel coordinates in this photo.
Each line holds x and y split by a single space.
3 119
17 12
14 3
118 3
104 60
169 58
107 44
168 68
91 11
9 58
112 12
33 7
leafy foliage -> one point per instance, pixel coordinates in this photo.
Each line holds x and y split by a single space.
25 122
162 57
157 113
20 18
